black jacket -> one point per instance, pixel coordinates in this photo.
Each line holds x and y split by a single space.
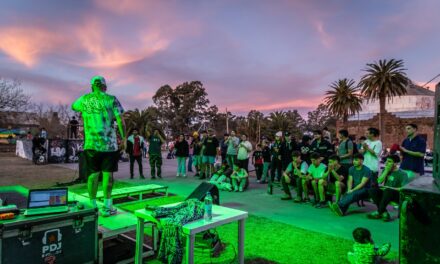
182 148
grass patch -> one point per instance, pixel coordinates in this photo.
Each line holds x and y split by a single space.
268 241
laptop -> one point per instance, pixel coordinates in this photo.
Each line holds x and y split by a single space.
47 201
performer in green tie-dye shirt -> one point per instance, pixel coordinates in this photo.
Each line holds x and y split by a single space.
99 112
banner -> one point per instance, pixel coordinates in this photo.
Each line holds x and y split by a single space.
74 147
57 151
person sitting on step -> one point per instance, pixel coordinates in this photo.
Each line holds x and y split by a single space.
222 177
295 171
239 178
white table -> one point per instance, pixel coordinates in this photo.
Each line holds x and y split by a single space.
220 216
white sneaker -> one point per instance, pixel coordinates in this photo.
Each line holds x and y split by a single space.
178 175
184 175
105 211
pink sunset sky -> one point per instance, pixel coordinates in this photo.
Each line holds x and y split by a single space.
249 54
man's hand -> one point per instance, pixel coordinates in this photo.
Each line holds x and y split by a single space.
402 149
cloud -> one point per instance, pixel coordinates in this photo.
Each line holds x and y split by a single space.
27 44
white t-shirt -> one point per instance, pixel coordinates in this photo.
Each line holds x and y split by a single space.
371 161
244 150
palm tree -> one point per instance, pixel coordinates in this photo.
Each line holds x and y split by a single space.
279 121
142 120
343 99
383 80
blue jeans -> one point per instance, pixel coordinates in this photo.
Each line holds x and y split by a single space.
352 197
181 166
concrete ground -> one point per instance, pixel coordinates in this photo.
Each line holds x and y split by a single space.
256 201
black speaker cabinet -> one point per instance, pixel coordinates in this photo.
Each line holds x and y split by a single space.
435 164
419 241
200 192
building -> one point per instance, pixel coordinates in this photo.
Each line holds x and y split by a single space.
417 107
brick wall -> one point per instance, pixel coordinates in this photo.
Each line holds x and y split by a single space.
394 128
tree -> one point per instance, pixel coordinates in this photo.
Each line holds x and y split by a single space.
297 123
254 120
343 99
146 119
12 97
182 107
279 121
383 80
320 118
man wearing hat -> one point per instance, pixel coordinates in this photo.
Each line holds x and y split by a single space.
99 111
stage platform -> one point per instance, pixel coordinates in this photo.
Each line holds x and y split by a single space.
133 191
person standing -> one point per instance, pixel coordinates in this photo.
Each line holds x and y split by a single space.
197 158
135 145
413 152
73 127
257 161
182 152
305 148
345 149
211 147
287 147
190 156
371 149
231 152
99 111
224 147
321 146
276 166
244 152
155 142
266 161
43 133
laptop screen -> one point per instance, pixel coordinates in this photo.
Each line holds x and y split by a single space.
47 197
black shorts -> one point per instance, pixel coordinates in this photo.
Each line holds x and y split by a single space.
97 161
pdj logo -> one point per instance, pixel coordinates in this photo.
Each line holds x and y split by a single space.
51 243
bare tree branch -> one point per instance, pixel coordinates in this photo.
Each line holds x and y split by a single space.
12 96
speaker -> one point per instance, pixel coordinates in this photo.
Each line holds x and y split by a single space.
200 192
419 240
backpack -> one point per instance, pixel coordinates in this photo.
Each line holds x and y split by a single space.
355 149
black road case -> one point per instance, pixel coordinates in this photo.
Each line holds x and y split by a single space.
420 222
70 237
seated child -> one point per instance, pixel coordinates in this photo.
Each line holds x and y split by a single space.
222 177
315 173
364 250
239 178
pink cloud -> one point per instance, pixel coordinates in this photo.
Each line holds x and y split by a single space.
326 39
27 44
290 104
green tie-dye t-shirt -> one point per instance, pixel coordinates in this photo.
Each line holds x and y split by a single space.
99 111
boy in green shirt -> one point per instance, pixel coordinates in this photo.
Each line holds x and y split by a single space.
315 172
393 179
239 178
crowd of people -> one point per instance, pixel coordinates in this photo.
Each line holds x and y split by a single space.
321 171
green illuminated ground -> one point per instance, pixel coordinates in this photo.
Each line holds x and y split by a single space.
279 231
